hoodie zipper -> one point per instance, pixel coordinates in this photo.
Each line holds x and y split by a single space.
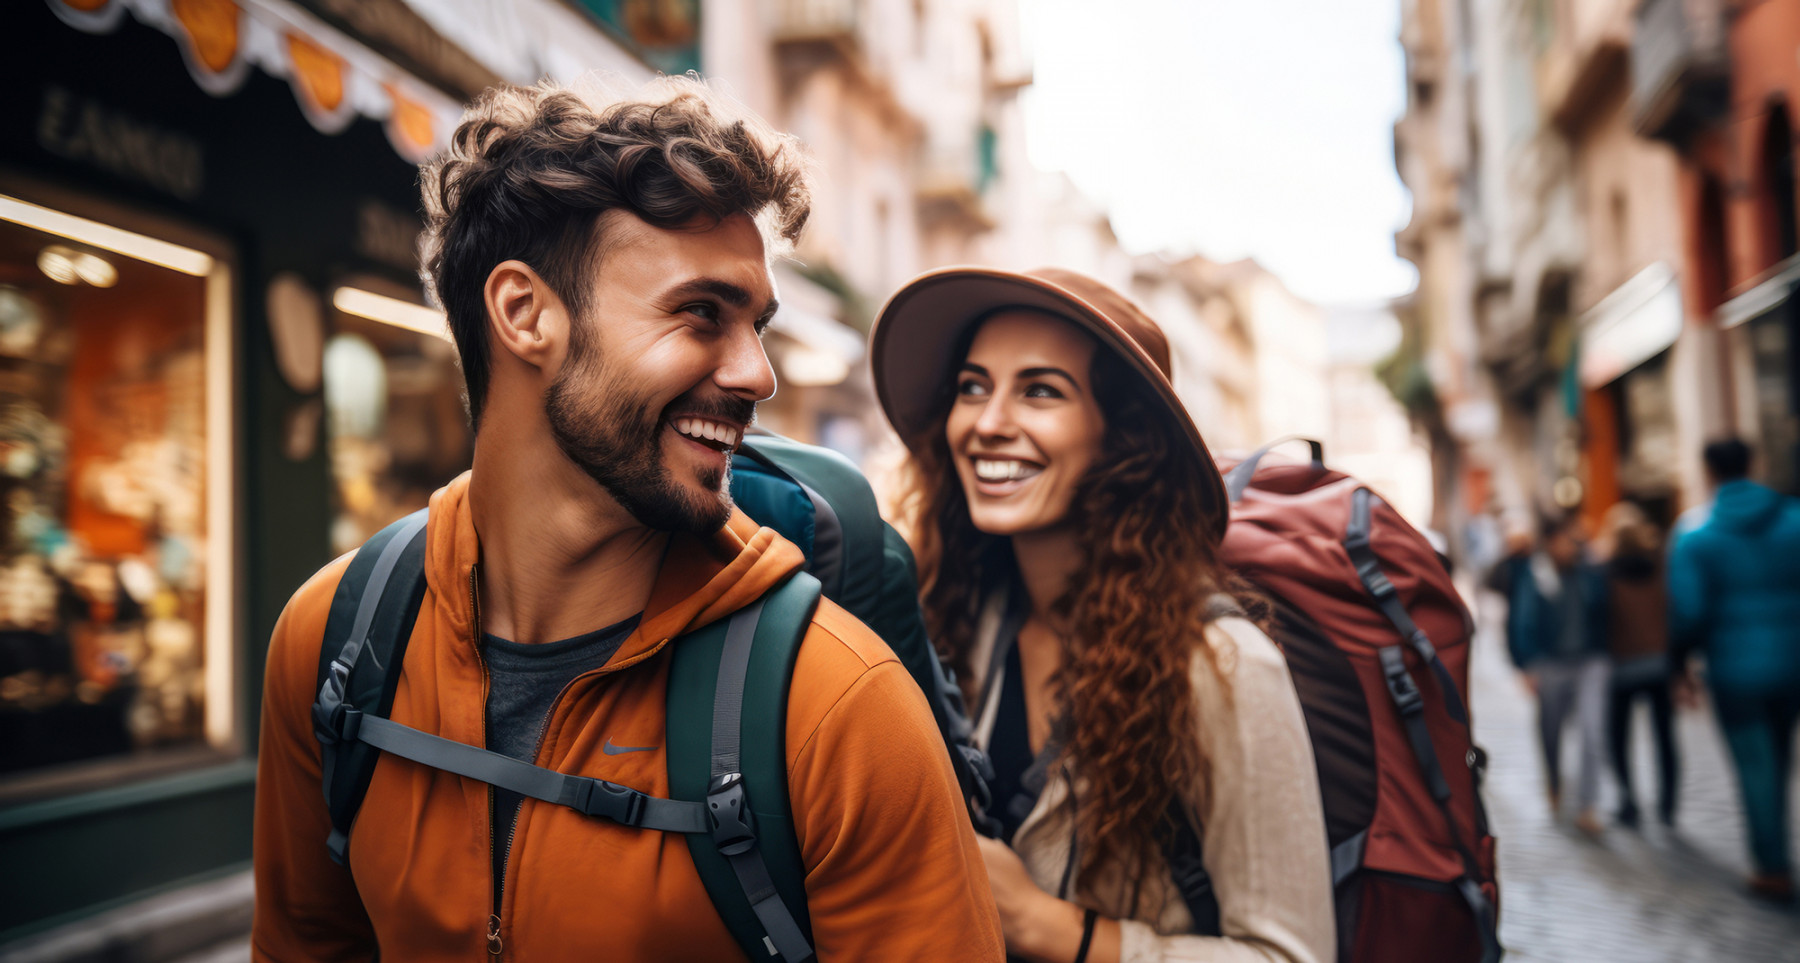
497 885
495 946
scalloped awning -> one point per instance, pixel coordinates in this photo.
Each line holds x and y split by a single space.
335 79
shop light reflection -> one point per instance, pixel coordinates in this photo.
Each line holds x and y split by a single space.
380 307
129 243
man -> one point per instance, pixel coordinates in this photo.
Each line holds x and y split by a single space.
1556 634
1734 593
606 273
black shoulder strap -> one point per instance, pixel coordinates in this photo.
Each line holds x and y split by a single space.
1404 692
371 620
727 721
1187 865
1182 848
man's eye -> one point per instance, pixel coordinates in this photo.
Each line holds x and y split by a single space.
702 309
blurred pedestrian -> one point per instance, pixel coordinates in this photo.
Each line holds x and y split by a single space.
1638 639
1068 519
1556 634
1734 593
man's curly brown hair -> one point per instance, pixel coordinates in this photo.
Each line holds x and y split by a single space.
1137 612
531 171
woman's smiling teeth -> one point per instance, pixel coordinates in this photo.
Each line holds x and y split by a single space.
709 433
1004 469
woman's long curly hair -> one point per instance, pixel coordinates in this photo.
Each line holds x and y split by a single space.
1136 614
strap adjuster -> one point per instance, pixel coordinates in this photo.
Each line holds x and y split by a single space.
328 709
1368 571
728 812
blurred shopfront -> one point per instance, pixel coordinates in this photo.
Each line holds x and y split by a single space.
1632 436
216 372
1762 327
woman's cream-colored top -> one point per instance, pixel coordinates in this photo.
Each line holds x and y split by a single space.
1262 826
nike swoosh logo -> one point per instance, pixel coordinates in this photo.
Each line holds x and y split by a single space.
613 750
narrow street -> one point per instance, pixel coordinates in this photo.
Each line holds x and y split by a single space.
1643 896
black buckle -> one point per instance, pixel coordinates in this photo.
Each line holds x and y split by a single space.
728 811
1405 693
609 800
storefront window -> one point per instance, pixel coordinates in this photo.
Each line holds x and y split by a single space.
1650 444
1773 352
397 428
114 498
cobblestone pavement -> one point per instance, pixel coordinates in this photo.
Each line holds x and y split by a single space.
1641 896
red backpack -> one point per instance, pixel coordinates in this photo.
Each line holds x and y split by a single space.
1377 641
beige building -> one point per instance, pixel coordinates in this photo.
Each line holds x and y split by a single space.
1548 350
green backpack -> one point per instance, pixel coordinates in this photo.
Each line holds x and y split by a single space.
728 794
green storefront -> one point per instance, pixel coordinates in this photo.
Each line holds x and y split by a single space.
215 374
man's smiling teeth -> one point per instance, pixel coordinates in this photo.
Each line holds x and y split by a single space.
699 429
992 470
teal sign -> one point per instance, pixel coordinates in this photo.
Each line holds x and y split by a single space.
665 33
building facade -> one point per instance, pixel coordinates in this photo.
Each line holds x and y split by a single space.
1717 82
1565 347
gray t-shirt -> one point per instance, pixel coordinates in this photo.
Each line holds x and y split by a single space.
524 681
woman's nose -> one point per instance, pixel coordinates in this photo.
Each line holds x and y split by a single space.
996 418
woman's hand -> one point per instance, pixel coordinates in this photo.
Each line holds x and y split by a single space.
1039 926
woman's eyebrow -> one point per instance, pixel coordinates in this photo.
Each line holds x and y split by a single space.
1040 372
972 367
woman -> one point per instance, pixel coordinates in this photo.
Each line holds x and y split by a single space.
1638 640
1067 518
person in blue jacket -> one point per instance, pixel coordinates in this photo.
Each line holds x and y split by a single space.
1556 632
1734 594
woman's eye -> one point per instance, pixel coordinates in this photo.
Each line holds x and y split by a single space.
969 387
1042 391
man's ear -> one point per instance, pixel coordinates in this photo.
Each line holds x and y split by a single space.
525 316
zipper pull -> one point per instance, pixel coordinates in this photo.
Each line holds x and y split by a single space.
493 936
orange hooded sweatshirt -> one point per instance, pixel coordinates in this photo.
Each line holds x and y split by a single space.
893 872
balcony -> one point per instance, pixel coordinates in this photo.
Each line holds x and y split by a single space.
1680 67
952 185
814 21
1586 55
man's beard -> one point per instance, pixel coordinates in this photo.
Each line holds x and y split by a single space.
612 435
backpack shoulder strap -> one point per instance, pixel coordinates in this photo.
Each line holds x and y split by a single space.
1187 864
847 525
371 620
1404 692
727 721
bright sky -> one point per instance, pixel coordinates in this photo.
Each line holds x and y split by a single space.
1232 128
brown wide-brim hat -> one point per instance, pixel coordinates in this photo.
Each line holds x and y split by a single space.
912 344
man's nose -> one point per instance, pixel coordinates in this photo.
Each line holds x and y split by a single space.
744 370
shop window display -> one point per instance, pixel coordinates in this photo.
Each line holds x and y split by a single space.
104 593
1776 360
396 423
